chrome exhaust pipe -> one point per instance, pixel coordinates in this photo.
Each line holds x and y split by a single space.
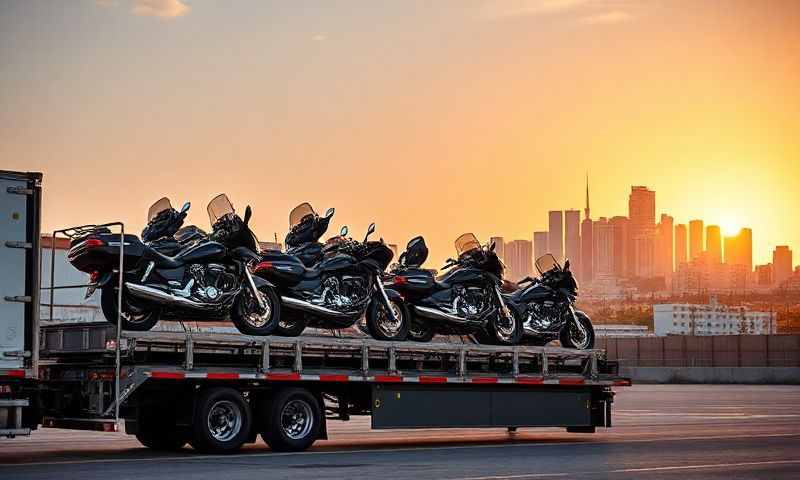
298 304
439 315
155 295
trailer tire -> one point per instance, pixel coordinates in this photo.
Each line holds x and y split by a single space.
222 421
291 420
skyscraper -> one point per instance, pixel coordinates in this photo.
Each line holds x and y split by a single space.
664 264
556 239
642 223
518 259
619 226
680 245
587 242
644 248
540 244
572 238
499 247
714 244
603 235
739 249
781 264
695 239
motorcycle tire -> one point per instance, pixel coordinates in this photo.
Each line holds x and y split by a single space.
419 332
380 328
258 325
566 337
135 322
291 324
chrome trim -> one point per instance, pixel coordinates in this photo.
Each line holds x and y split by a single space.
438 314
310 307
254 289
148 270
387 304
156 295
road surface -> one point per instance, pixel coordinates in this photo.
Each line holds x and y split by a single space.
661 432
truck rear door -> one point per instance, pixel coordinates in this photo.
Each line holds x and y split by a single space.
19 258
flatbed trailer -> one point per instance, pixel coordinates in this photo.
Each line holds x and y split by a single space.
218 391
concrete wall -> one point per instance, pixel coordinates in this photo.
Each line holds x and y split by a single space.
741 375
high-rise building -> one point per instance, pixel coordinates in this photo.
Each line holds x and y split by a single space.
642 222
680 245
572 238
518 259
499 247
739 249
619 225
764 274
664 242
603 254
781 264
644 247
714 244
587 241
556 239
695 239
540 244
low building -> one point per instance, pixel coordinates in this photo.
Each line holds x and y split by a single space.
621 330
711 319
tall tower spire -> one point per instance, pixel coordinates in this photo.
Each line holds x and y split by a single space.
586 210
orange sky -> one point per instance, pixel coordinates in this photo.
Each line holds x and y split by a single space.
426 117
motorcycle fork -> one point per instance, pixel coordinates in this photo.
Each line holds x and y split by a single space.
385 298
503 307
253 287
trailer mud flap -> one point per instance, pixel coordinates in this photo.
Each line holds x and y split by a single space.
412 406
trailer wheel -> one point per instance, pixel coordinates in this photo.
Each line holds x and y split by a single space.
292 420
222 421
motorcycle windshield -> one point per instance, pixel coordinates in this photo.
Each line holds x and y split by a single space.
158 207
299 213
466 243
219 207
547 262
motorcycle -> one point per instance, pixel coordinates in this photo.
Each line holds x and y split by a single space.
305 230
464 301
547 307
206 279
335 292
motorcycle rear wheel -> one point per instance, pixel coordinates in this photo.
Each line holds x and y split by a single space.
419 332
133 321
291 324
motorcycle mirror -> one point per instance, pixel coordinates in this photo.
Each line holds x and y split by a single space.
343 231
370 231
248 212
185 207
329 212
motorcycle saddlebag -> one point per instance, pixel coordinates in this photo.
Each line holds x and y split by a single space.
100 252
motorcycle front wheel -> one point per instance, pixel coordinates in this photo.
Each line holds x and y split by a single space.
501 331
133 318
380 324
580 335
250 319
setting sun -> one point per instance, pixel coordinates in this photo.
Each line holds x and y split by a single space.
729 226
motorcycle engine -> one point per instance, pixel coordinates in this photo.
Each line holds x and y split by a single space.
212 281
545 316
470 301
342 293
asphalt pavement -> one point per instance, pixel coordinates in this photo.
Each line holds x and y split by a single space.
660 431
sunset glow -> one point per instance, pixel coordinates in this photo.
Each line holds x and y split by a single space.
427 118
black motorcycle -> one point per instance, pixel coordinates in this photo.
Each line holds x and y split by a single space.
336 291
305 230
206 279
464 301
547 309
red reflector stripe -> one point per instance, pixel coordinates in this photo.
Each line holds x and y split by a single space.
530 380
222 376
334 378
168 375
283 376
388 378
622 383
570 381
13 373
432 379
484 380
